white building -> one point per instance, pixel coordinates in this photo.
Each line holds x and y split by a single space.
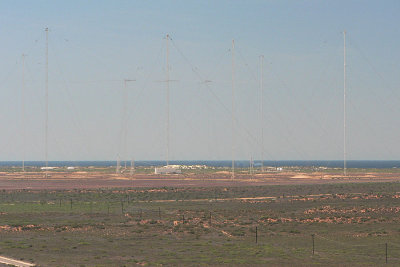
169 169
48 168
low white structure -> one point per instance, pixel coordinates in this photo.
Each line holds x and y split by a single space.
169 169
48 168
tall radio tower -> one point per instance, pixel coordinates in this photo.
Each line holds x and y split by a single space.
233 109
262 111
167 81
344 104
23 112
47 101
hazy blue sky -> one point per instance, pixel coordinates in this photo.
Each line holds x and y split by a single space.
95 45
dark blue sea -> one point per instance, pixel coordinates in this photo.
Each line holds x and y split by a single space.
378 164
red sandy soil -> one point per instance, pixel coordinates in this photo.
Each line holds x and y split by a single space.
76 180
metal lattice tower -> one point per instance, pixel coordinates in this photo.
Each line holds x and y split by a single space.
344 105
233 109
47 101
262 111
23 112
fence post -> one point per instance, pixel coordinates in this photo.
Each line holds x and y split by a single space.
313 245
159 213
386 250
256 235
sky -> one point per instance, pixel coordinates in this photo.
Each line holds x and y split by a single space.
93 46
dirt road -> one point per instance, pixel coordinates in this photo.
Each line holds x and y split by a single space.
13 262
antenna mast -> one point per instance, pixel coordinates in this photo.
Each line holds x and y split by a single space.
344 104
23 112
167 73
132 167
124 120
262 112
118 169
233 109
47 99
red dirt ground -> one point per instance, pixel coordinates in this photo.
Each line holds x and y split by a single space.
76 180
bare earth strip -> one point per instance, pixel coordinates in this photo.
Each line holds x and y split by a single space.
13 262
92 180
